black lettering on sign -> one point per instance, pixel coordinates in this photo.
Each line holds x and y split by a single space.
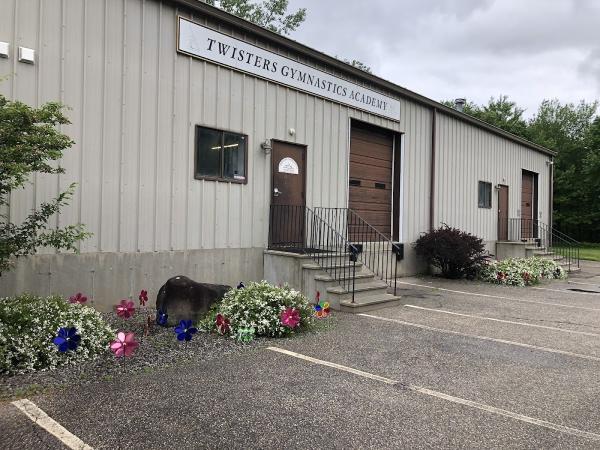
223 48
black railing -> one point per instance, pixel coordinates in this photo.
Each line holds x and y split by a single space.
543 235
379 253
336 239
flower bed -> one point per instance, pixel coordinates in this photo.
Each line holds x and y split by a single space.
38 333
260 309
521 271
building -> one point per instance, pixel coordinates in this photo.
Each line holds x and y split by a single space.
188 121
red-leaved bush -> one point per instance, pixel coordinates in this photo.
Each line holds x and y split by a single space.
456 253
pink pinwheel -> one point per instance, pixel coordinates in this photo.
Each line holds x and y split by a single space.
143 297
125 309
78 298
290 318
124 345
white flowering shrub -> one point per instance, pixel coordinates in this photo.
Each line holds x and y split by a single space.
28 325
521 271
260 306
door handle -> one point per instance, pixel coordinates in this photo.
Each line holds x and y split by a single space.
276 192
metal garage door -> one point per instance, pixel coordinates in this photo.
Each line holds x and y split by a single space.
371 159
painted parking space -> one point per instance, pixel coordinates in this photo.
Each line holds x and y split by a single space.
270 400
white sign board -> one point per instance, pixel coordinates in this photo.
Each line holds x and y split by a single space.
206 43
288 165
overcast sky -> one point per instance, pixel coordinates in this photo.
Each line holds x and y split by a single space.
443 49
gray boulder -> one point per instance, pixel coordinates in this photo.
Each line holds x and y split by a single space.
184 299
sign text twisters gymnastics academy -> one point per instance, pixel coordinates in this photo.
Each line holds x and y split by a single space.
197 40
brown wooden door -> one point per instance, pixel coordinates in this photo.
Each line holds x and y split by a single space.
527 205
288 195
370 191
503 213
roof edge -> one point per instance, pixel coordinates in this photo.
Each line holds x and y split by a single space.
219 14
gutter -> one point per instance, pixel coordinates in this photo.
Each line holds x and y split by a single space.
432 168
200 7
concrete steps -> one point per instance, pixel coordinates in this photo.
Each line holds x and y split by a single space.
365 304
307 275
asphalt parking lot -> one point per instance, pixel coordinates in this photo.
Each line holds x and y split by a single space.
457 365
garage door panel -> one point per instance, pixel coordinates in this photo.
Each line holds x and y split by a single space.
362 195
369 172
371 151
370 160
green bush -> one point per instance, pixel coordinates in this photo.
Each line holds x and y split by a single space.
28 324
521 271
456 253
259 306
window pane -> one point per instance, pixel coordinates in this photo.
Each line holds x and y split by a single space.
234 156
208 162
484 199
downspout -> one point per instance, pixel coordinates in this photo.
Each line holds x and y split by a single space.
432 174
551 206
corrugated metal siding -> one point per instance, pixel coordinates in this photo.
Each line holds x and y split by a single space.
135 103
466 155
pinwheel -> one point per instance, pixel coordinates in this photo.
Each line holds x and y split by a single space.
67 339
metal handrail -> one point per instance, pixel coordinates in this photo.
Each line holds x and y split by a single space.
520 229
378 253
299 229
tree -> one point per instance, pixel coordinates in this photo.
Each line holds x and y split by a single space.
271 14
567 129
359 65
500 112
29 143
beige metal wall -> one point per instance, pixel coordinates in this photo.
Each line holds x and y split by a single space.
134 104
466 155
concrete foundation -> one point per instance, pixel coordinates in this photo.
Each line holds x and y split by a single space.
505 250
108 277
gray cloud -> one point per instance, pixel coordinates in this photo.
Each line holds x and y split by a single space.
529 50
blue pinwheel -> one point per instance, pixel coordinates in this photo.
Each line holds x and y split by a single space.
161 317
67 339
185 330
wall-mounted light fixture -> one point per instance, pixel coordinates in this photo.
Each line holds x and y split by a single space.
497 187
4 47
27 55
266 146
549 163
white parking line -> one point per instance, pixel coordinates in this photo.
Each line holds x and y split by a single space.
586 284
563 291
42 419
500 297
484 338
447 397
585 333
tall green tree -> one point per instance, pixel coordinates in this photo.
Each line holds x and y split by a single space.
500 112
565 128
271 14
31 143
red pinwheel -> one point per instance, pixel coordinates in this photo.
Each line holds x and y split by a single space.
125 309
223 325
78 298
143 297
290 318
124 345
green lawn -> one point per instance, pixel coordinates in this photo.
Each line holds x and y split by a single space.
588 251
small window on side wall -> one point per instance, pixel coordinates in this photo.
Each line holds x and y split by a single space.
220 155
485 194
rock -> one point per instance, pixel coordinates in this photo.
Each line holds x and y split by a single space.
185 299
